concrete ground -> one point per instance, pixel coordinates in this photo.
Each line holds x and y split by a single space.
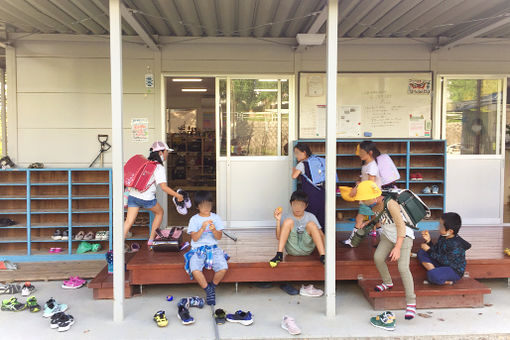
94 318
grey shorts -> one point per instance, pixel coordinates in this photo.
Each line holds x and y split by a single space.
197 261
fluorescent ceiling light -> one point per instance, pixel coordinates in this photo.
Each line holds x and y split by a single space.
308 39
194 90
266 90
187 79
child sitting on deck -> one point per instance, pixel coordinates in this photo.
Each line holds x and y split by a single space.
205 229
300 232
445 260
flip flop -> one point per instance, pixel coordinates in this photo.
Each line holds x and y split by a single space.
289 289
220 316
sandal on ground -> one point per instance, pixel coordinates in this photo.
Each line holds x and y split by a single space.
289 289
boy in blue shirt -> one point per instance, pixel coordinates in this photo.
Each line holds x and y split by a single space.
206 229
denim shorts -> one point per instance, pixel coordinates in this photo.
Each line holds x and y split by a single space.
135 202
197 262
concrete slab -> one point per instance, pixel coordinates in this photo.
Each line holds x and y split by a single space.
94 318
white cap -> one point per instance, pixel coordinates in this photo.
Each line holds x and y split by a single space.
160 146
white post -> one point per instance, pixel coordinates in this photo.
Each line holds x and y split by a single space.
332 52
3 113
117 163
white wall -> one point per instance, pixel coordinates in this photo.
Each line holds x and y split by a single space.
63 83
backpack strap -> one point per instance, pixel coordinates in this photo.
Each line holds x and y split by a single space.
310 181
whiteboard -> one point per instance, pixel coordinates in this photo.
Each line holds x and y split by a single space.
369 105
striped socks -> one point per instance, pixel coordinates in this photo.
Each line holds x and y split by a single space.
383 286
410 311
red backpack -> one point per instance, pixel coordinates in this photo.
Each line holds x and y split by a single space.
138 173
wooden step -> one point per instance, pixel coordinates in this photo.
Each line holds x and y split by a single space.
466 293
102 285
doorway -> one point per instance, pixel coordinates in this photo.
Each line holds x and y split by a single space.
190 131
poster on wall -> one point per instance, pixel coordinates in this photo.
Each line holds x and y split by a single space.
375 105
140 129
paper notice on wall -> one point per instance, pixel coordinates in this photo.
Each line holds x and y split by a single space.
348 122
315 86
416 126
140 129
320 116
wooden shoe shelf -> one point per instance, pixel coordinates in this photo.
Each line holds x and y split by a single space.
424 157
41 201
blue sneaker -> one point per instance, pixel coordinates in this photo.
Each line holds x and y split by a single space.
244 318
183 315
192 301
51 307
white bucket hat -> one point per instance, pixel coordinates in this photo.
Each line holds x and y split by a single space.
160 146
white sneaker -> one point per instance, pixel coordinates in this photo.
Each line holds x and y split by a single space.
27 289
310 291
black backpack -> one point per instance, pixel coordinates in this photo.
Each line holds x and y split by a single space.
412 207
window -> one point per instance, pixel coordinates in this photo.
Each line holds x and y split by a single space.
259 117
473 116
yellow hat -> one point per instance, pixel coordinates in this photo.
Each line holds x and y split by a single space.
367 190
345 193
357 150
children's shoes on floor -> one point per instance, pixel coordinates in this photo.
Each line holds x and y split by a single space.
289 324
310 291
385 321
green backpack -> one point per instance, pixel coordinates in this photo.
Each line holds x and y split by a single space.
412 207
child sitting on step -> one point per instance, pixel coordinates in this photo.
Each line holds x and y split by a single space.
206 229
445 260
298 232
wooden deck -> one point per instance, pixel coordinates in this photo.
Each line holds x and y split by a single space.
249 258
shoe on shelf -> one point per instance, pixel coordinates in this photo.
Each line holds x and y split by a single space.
79 236
106 235
435 189
12 305
310 291
160 319
89 236
83 247
27 289
51 307
98 236
416 177
426 190
65 235
57 235
385 320
289 324
66 321
184 316
32 305
244 318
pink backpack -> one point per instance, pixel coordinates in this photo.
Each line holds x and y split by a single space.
387 169
138 173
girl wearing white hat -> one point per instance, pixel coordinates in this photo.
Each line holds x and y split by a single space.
147 199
